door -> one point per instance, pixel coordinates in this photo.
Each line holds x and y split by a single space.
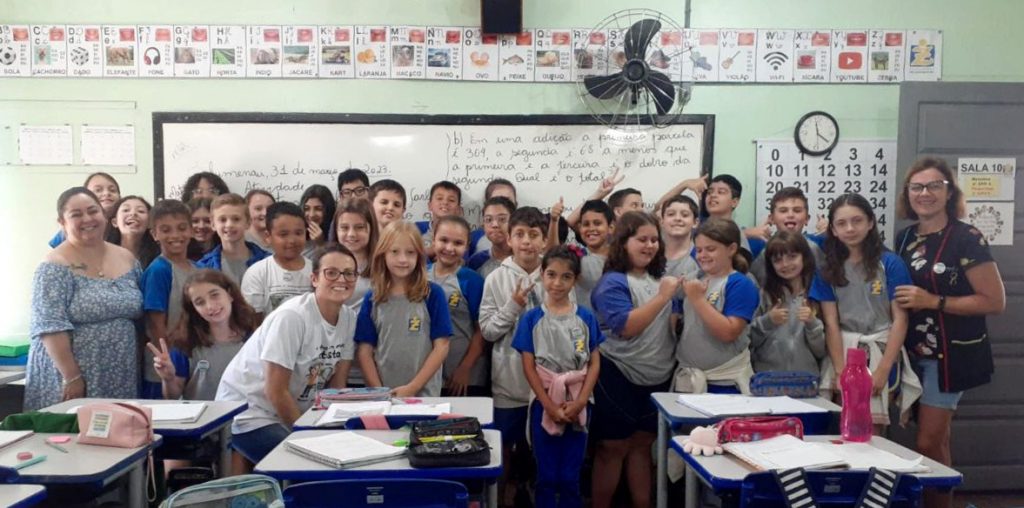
954 120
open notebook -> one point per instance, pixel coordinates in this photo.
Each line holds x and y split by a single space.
340 412
344 449
715 404
786 452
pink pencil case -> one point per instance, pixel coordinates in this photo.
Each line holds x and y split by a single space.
119 424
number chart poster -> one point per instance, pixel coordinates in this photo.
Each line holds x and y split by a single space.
866 167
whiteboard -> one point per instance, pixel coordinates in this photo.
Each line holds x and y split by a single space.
547 157
863 166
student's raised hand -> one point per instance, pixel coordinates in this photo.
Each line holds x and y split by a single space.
911 297
162 360
779 314
458 384
403 391
762 231
694 289
805 314
557 209
522 292
697 185
668 286
608 184
821 226
316 234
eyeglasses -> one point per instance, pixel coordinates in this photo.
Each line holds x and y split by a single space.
332 274
357 191
500 220
933 187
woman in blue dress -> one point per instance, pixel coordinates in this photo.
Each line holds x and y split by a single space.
85 298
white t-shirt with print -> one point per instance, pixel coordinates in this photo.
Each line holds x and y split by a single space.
296 337
266 285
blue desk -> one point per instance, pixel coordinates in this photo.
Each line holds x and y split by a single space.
672 415
724 474
288 466
215 420
89 466
21 496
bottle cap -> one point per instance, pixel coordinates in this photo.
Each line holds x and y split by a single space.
856 356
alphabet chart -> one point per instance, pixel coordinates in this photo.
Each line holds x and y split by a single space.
865 167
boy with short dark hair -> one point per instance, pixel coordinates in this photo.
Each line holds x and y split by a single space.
499 187
626 200
789 212
162 282
595 231
234 254
445 200
389 202
496 213
720 200
268 283
353 184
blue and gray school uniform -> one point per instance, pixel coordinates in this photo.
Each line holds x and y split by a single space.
463 291
355 302
685 266
759 269
483 263
402 334
591 269
233 269
734 295
560 343
162 284
478 241
793 345
203 368
865 306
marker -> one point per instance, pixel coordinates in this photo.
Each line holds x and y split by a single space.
29 462
56 446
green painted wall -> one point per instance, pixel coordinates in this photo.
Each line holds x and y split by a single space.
979 46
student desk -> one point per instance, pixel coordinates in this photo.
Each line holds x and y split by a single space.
481 408
83 465
10 376
672 414
724 474
216 419
288 466
21 496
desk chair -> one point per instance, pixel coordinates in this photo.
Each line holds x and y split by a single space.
393 493
829 489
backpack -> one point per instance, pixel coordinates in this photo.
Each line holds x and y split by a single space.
246 491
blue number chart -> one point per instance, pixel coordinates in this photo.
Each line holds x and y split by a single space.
867 167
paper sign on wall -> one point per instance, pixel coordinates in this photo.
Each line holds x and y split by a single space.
85 51
227 51
737 50
590 53
444 52
516 56
408 48
480 56
554 55
45 144
775 56
886 56
108 145
849 56
993 219
49 50
924 55
120 52
191 51
15 49
704 53
987 179
372 58
298 52
157 51
811 56
264 58
336 52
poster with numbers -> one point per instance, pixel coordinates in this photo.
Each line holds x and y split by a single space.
49 50
865 167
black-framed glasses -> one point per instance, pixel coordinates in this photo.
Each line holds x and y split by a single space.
933 187
332 274
356 191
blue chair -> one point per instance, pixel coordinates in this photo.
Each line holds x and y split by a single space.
828 488
391 493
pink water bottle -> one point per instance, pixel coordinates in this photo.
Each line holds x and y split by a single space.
855 422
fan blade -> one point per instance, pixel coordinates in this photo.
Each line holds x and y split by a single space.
605 87
638 37
661 88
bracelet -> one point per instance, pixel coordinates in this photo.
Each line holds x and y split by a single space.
942 303
68 382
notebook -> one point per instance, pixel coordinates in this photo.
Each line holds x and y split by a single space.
784 452
340 412
9 437
866 456
344 449
716 404
177 413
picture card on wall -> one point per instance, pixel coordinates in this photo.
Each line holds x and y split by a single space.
156 50
444 53
120 51
705 53
886 50
336 52
737 54
849 56
45 144
616 53
15 50
49 50
554 57
590 53
299 52
480 56
812 56
264 48
227 51
373 61
112 145
775 56
191 51
85 51
517 56
667 54
408 52
924 55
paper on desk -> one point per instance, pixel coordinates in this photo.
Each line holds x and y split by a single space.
866 456
420 409
715 404
341 412
180 413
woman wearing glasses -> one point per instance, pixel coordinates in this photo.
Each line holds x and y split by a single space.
956 284
302 346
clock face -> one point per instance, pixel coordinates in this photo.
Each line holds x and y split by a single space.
817 133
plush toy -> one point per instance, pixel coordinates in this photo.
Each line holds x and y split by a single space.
703 441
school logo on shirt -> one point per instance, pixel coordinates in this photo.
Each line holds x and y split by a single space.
454 299
415 323
876 287
578 340
713 297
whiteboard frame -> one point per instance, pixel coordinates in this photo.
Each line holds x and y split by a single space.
161 118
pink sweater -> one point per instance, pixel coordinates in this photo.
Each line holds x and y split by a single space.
558 385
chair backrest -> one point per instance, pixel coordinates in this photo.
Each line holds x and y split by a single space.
393 493
829 489
249 491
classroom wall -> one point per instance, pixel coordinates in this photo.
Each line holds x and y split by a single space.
979 45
